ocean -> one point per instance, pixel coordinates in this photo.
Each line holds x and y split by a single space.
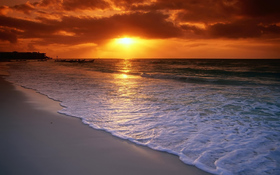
220 115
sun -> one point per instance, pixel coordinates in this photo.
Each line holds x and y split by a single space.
126 47
125 41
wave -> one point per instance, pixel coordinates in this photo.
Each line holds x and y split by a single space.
196 75
208 80
217 72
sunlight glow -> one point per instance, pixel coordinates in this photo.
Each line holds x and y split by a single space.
124 76
125 41
127 47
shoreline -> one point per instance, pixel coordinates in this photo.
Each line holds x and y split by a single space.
38 140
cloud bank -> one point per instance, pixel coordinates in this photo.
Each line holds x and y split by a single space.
71 22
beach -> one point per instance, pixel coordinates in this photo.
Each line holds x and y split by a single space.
35 139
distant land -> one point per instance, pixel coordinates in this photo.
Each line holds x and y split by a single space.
22 56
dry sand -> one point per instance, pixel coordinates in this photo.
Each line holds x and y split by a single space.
35 140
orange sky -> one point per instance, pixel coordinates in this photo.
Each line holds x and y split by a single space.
154 28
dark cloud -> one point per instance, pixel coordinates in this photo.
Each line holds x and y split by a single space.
258 8
72 5
30 29
25 8
86 29
164 5
207 12
232 30
149 25
49 2
127 4
84 4
203 17
218 11
221 19
270 29
193 30
210 11
240 29
196 9
226 18
8 35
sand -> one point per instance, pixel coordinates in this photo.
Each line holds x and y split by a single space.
36 140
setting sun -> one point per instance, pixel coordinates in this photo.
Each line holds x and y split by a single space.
125 41
128 47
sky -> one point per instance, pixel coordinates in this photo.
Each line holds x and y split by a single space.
142 28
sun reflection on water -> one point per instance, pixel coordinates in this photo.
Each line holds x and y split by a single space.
126 89
126 66
124 76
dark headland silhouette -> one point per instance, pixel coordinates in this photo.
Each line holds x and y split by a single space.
22 56
37 56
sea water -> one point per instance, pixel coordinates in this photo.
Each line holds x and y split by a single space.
222 116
